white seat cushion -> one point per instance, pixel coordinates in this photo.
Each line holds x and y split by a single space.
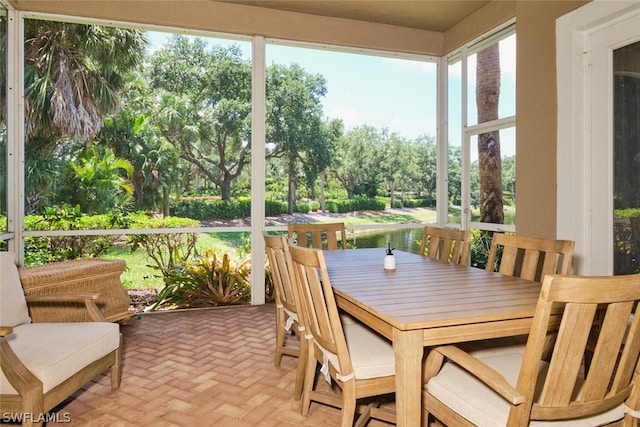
13 307
371 355
496 346
476 402
55 351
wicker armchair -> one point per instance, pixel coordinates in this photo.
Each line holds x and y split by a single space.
45 363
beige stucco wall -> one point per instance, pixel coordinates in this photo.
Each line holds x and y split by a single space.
536 72
536 107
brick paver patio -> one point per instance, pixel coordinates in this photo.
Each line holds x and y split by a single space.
212 367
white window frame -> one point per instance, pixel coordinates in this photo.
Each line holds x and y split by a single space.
468 131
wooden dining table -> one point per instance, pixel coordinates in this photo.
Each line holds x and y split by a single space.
426 302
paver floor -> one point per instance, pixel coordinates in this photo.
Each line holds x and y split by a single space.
212 367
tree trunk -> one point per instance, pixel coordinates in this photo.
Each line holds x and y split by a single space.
138 189
225 189
312 190
392 191
292 190
489 157
322 179
165 201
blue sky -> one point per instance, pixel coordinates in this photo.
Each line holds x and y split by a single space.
390 93
362 89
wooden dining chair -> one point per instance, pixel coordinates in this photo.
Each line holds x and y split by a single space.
356 358
530 258
523 387
446 244
287 307
314 235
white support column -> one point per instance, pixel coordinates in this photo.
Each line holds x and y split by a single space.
258 134
15 132
442 140
466 149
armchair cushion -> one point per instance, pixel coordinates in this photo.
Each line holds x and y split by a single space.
70 347
13 306
476 402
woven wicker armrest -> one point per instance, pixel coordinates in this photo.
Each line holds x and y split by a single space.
89 299
81 276
64 297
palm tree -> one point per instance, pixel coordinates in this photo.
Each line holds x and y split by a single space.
73 73
489 159
102 181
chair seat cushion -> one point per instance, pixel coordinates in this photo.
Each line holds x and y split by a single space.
55 351
371 355
476 402
495 346
13 306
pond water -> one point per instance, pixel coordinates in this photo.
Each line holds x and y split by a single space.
404 239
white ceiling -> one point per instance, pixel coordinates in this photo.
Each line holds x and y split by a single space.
434 15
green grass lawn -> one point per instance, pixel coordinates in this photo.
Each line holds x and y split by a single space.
141 274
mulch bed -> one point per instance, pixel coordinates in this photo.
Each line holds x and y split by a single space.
140 299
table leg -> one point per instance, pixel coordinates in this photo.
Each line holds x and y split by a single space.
407 346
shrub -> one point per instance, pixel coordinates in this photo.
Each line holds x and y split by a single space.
46 249
211 209
480 245
314 205
626 213
302 207
165 249
331 206
274 207
206 280
358 203
419 202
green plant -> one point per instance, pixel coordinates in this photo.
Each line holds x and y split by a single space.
480 244
302 207
269 290
626 213
358 203
206 280
274 207
46 249
208 209
165 249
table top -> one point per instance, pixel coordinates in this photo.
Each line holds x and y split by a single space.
424 293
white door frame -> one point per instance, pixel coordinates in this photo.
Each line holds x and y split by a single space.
584 148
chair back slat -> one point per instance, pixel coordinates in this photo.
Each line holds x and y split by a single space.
315 235
564 369
281 271
612 338
446 244
319 305
530 258
613 328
